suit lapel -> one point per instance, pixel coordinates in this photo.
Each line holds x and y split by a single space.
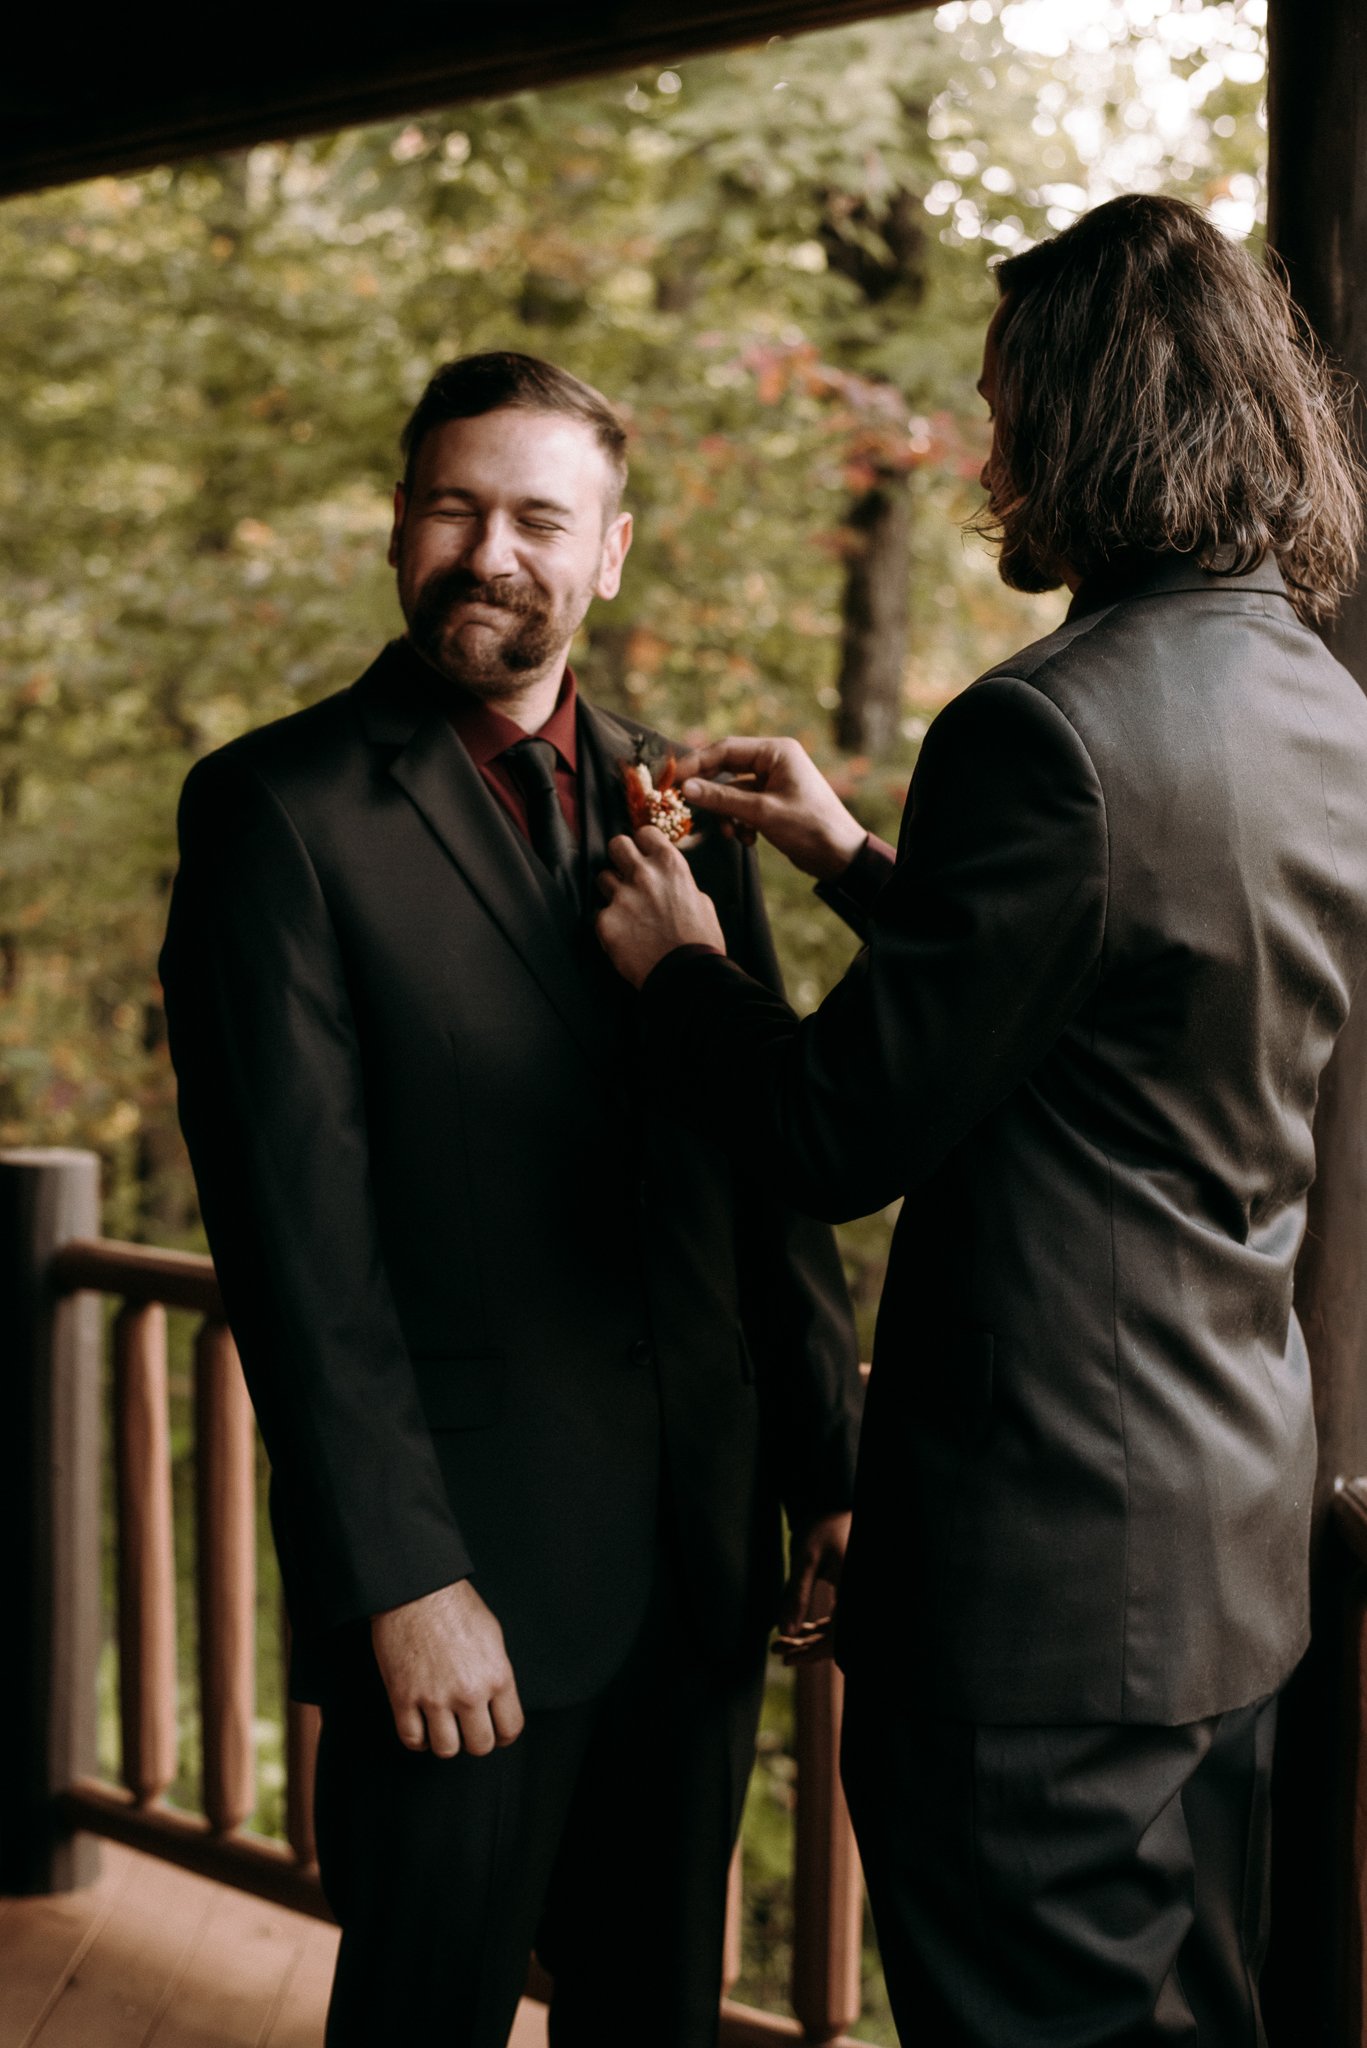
439 778
608 743
613 742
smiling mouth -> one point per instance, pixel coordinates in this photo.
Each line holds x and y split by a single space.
474 612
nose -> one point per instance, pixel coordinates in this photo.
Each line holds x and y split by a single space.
492 551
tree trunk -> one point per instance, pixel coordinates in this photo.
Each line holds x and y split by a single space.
11 792
873 654
882 251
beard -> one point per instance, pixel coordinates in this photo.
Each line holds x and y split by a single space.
1020 564
1022 567
490 660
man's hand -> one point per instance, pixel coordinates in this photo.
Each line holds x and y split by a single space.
818 1556
780 793
653 905
447 1673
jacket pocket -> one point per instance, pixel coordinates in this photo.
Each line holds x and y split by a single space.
462 1392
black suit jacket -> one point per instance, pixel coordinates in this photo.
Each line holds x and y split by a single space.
497 1316
1084 1042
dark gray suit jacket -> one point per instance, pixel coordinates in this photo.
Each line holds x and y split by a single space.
496 1316
1084 1043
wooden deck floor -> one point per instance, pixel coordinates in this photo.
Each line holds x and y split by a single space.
151 1957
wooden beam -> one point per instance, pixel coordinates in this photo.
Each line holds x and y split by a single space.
1318 225
49 1517
828 1887
125 92
146 1548
742 2026
138 1273
225 1517
1317 176
250 1862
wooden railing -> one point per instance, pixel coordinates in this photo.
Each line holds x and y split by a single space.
46 1204
146 1283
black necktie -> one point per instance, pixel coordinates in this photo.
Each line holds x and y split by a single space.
532 765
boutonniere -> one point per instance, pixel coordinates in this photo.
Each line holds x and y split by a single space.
652 799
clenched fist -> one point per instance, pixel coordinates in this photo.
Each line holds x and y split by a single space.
447 1673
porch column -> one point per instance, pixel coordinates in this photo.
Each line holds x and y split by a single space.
49 1517
1313 1985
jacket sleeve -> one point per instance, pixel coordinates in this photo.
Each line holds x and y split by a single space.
272 1105
983 944
852 895
795 1305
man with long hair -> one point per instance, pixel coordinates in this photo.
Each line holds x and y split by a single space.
1103 975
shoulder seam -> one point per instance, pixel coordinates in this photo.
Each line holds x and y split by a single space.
1029 683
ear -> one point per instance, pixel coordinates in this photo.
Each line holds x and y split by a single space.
400 505
616 542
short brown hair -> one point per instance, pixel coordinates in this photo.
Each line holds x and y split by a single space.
470 386
1158 393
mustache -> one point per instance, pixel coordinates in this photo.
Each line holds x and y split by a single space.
454 586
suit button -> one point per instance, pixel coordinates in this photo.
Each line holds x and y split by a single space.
643 1194
642 1352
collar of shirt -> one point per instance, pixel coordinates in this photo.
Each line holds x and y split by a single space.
487 732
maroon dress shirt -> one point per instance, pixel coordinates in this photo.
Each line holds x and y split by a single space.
486 734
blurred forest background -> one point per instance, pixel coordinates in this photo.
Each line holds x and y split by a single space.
775 261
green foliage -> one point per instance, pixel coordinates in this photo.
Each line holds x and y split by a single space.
774 260
208 365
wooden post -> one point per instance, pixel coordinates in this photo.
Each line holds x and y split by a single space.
828 1897
225 1496
733 1940
49 1518
303 1725
1350 1519
1318 226
147 1565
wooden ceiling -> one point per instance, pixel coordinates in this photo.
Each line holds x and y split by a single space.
124 88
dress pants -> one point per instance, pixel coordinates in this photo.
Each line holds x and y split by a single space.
601 1838
1064 1887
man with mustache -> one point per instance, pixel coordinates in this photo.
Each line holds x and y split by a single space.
523 626
525 1473
1104 971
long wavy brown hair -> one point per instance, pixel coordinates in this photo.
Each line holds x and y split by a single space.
1158 393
